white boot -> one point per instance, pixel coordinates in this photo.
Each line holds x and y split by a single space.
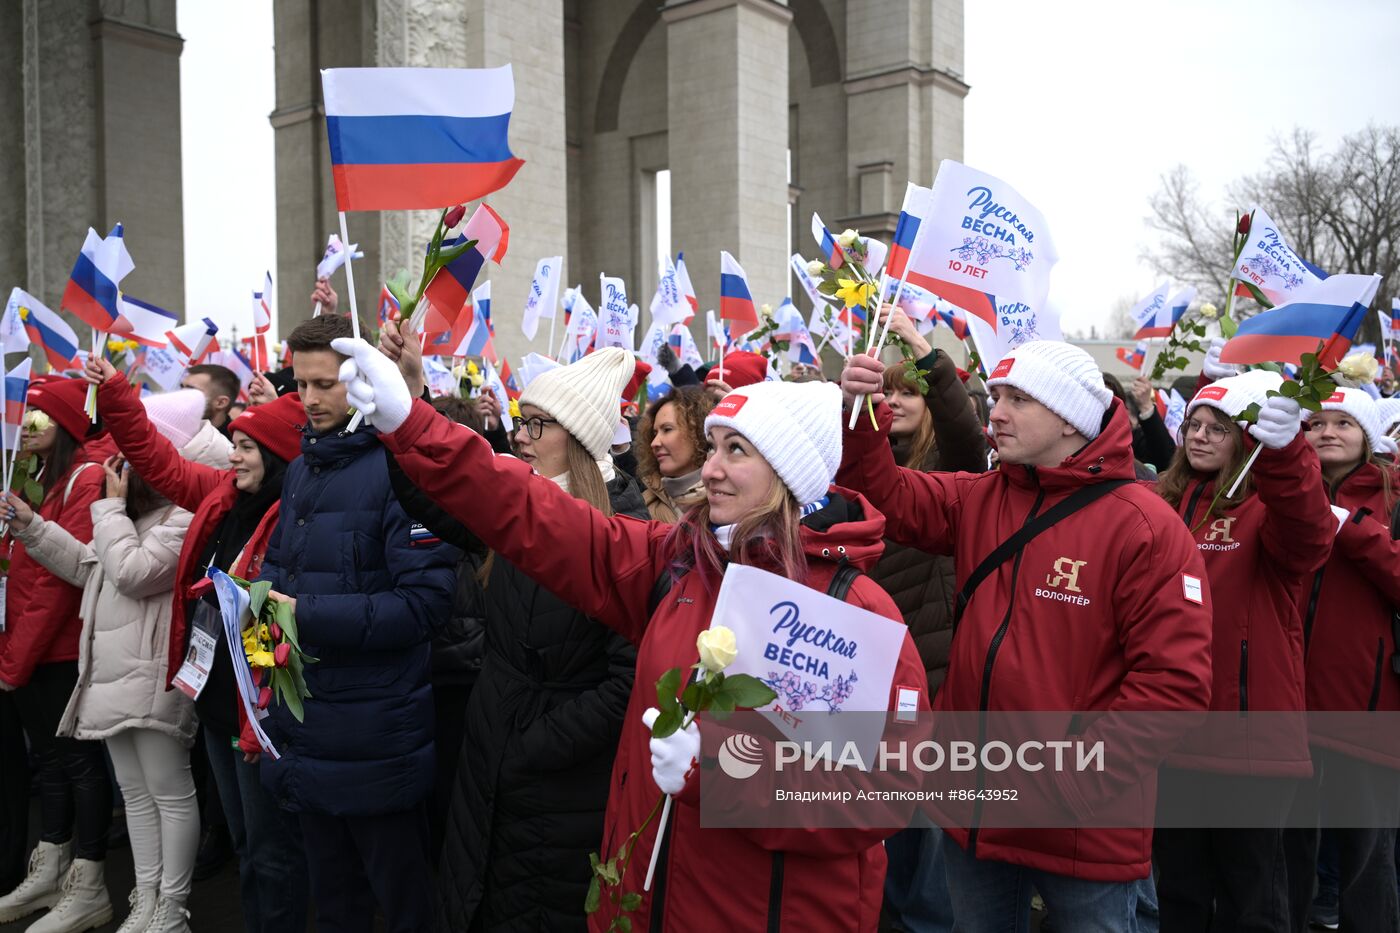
84 904
48 864
171 917
143 907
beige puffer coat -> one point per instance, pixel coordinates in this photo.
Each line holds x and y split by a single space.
126 575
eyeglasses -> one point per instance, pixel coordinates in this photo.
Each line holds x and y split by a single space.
1215 433
535 426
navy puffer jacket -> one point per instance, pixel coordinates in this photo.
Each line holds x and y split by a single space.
368 597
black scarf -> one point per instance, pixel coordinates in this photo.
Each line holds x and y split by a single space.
248 510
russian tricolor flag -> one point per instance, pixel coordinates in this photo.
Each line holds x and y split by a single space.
475 339
92 292
831 250
388 306
1133 360
452 285
906 229
418 138
1321 319
953 318
51 332
147 324
735 299
16 392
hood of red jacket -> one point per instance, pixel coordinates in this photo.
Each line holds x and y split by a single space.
1108 456
849 527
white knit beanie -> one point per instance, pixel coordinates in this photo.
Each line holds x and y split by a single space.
1234 394
796 426
1060 376
1365 412
176 415
585 397
1389 409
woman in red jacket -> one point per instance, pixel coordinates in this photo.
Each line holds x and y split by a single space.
235 512
1260 548
774 450
39 661
1349 635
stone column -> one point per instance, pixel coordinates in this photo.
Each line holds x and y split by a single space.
727 77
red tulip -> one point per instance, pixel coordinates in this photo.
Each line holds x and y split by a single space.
264 697
276 631
1243 228
454 216
281 653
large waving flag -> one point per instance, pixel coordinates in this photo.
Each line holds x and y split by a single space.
1322 318
1149 313
52 333
92 291
192 341
1269 264
687 289
831 250
147 324
453 283
982 246
906 229
735 299
418 138
13 337
16 394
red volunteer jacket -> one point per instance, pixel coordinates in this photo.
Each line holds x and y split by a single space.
607 568
206 492
1347 625
41 611
1260 557
1106 611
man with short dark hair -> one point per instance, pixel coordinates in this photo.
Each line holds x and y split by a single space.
220 387
367 592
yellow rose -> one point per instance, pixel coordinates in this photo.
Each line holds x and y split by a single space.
1356 370
847 237
1208 311
718 648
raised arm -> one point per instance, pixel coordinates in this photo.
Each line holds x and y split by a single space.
1298 524
962 444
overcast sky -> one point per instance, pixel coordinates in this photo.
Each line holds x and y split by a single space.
1079 104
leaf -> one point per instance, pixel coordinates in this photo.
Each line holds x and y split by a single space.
1290 390
455 252
1250 414
624 924
34 492
1257 295
608 872
631 901
1228 327
694 697
257 595
590 901
668 722
747 691
1310 403
666 689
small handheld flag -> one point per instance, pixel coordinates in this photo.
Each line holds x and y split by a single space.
1321 319
146 324
16 392
1133 359
831 250
735 299
52 333
193 340
92 291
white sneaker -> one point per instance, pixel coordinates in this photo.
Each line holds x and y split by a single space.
171 917
48 864
84 904
143 907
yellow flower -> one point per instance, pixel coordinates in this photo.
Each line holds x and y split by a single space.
854 293
262 659
459 373
471 368
515 408
1208 311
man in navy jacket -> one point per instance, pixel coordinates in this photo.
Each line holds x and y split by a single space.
367 591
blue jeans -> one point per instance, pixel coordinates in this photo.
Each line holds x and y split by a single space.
271 864
916 886
995 897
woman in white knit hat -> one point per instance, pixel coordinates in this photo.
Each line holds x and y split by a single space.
774 448
127 574
1351 658
1261 548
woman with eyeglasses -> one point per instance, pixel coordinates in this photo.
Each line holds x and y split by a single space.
1261 547
545 715
773 452
1349 637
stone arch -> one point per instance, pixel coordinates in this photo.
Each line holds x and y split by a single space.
818 41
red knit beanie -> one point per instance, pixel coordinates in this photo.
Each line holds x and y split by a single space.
276 425
741 368
63 400
640 371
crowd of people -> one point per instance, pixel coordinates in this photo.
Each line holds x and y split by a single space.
490 610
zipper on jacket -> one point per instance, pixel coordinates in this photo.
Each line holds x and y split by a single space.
1376 683
775 893
1191 504
995 646
1244 676
1312 608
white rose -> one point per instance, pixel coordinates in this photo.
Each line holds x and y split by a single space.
847 237
815 268
459 372
1209 312
718 648
37 421
1356 370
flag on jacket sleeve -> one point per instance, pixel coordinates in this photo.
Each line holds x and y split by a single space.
92 292
418 138
1322 318
735 299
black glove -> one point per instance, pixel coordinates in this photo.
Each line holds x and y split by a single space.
667 358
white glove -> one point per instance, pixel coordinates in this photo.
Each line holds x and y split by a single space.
1279 421
375 386
1341 514
673 758
1213 368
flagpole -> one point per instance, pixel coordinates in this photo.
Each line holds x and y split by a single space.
551 325
1146 354
90 404
349 281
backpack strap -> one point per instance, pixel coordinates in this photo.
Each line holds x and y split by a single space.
1395 611
1080 498
659 589
73 478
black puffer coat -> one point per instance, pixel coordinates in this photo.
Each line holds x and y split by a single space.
543 724
923 585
